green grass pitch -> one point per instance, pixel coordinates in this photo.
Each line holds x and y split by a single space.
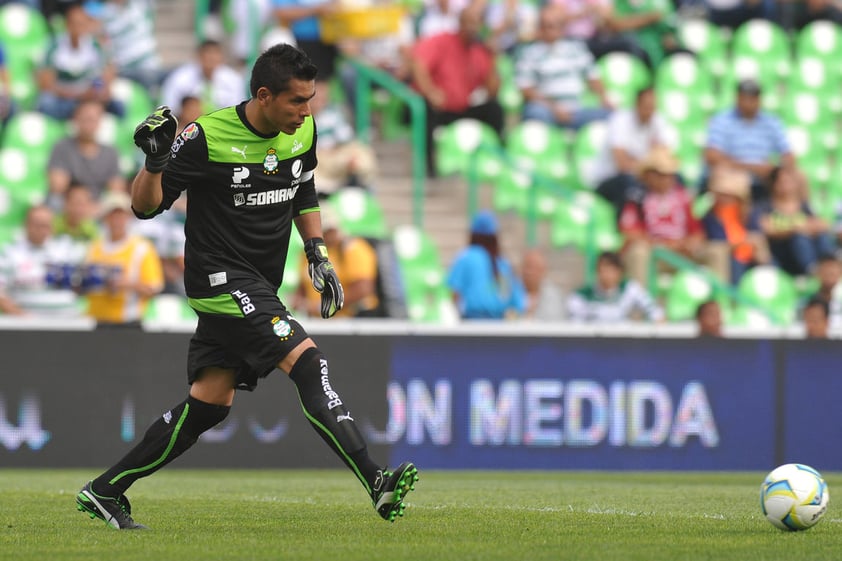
215 515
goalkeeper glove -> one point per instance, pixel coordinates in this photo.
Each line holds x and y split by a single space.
324 277
154 136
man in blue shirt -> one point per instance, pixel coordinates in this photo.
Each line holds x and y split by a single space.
750 139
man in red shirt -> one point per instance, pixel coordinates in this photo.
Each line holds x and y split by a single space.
456 74
663 217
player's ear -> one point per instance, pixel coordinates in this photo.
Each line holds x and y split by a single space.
263 95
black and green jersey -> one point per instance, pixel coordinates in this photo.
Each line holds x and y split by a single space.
243 190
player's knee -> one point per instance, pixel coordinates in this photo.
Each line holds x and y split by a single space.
310 364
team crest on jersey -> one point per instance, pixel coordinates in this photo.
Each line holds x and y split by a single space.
270 162
190 132
281 328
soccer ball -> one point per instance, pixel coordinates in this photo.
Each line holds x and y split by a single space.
794 497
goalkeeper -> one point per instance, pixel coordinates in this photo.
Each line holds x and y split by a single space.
248 172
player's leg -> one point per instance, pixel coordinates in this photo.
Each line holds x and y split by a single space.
326 412
211 395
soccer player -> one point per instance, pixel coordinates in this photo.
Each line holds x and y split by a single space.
248 171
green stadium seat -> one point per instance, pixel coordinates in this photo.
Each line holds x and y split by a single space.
427 298
360 212
623 75
813 155
709 42
537 146
687 289
24 89
457 143
136 99
682 72
822 40
24 32
765 42
588 146
33 133
809 110
745 67
26 180
773 290
586 222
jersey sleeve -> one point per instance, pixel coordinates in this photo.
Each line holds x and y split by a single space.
188 159
306 200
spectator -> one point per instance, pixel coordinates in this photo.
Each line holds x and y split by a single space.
190 109
456 74
612 297
796 236
816 317
632 133
663 217
127 29
355 262
391 53
76 220
343 160
587 20
483 282
35 271
7 107
735 239
442 16
733 13
544 301
82 159
817 10
123 269
216 84
828 274
709 319
509 23
302 18
553 73
652 26
751 139
75 69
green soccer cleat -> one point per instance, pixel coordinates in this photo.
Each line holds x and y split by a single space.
115 512
391 488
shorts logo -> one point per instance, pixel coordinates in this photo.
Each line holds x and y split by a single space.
296 168
270 162
281 328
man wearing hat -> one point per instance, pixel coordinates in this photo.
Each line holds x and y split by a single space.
748 138
123 269
735 240
663 216
483 282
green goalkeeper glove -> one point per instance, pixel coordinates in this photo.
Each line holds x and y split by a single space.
323 276
154 136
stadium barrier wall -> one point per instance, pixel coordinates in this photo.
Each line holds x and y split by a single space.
478 399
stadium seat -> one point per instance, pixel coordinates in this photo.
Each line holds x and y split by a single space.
586 222
24 32
682 72
24 89
360 212
509 94
33 133
767 43
815 75
588 146
772 290
623 75
537 146
822 40
809 110
687 289
457 143
741 68
812 155
136 99
707 41
25 179
427 298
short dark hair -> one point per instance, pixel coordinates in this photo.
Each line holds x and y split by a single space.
647 88
820 303
700 309
279 64
611 258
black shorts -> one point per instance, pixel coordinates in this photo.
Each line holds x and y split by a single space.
250 332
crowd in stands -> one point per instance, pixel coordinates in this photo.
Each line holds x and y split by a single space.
709 161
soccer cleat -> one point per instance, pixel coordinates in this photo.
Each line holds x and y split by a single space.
117 513
391 488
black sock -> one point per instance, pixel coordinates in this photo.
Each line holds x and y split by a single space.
328 415
165 440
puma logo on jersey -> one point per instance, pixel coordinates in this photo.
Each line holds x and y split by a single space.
265 197
240 151
296 146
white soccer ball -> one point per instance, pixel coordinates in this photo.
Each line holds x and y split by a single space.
794 497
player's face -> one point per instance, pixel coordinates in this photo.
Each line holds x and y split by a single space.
287 110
